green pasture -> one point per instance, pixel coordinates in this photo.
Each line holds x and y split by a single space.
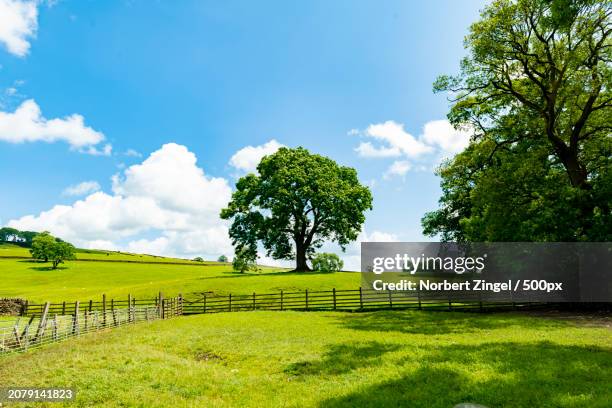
80 280
324 359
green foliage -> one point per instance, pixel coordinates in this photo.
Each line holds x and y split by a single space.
297 201
198 259
48 248
326 262
244 260
222 258
42 246
536 90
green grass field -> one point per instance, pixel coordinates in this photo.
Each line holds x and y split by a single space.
79 280
300 359
11 250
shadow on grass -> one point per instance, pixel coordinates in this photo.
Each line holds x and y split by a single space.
48 268
508 374
233 274
342 358
441 322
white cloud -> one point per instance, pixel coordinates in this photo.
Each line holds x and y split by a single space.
167 197
83 188
132 153
27 124
18 23
247 158
398 168
438 140
395 139
442 134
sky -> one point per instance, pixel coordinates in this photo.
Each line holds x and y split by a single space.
125 124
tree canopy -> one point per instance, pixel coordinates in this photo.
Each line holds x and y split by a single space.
48 248
296 202
535 89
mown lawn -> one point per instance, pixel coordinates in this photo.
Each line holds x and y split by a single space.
300 359
89 280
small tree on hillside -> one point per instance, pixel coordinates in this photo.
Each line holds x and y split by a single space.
222 258
326 262
244 260
47 248
42 246
62 251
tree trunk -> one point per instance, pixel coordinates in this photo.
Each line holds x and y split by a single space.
300 258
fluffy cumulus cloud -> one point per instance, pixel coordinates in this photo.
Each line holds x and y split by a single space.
438 140
18 24
27 124
83 188
247 158
167 198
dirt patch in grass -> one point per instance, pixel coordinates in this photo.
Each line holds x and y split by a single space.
207 356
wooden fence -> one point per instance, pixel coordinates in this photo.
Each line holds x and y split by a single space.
348 300
50 322
44 323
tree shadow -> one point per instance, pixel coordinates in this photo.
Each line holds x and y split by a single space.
233 274
47 268
508 374
342 358
440 322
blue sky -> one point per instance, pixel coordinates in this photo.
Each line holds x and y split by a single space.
213 78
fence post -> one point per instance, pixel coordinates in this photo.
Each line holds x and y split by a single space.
180 305
253 300
230 302
306 299
204 306
129 310
63 308
24 311
42 324
450 305
133 309
90 305
160 309
163 308
334 294
75 321
360 298
104 309
54 334
113 312
281 294
390 301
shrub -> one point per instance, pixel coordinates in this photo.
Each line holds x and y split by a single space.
326 262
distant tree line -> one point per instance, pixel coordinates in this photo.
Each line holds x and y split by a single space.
14 236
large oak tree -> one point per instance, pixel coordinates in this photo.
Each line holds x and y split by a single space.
296 202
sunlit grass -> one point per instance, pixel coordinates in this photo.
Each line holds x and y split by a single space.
298 359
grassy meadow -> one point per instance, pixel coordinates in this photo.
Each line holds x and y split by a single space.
301 359
84 280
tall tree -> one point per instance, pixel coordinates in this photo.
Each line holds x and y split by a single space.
537 78
296 202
